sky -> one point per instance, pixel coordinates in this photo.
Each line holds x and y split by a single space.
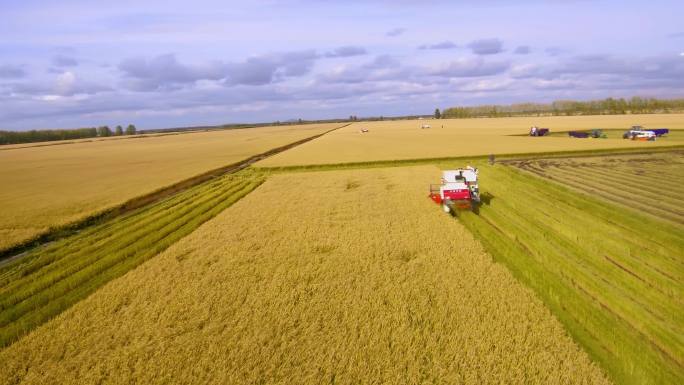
171 63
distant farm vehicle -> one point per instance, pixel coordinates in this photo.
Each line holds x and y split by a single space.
635 132
640 135
459 190
536 131
425 126
597 133
593 133
578 134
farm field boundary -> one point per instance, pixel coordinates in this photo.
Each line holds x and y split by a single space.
58 232
618 292
48 280
500 158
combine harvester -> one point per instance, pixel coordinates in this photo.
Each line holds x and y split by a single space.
458 191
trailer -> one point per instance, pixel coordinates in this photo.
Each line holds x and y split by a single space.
578 134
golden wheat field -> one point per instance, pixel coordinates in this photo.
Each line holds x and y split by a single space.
395 140
55 185
344 277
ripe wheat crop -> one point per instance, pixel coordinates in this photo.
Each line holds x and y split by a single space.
45 187
400 140
344 277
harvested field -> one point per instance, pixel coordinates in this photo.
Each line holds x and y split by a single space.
48 280
648 183
45 187
344 277
399 140
614 277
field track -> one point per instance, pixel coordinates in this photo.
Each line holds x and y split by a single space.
612 276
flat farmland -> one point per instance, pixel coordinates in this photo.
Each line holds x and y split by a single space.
400 140
342 277
44 187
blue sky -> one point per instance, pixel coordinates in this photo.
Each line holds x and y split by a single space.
78 63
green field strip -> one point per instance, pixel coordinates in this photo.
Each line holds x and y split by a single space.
96 235
656 185
667 182
624 197
565 228
88 280
56 278
116 234
599 332
101 257
613 186
664 234
564 260
46 288
611 195
626 243
613 285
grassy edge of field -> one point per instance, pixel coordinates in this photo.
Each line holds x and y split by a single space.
498 158
60 231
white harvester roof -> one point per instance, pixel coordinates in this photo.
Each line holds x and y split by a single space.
454 175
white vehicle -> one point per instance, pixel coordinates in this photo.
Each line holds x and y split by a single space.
425 126
642 135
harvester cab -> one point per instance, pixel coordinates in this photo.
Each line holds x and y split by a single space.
459 190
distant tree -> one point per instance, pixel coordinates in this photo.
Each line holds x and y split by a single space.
299 121
118 131
130 130
438 114
104 131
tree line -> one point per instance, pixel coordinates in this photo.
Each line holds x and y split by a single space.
609 106
15 137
